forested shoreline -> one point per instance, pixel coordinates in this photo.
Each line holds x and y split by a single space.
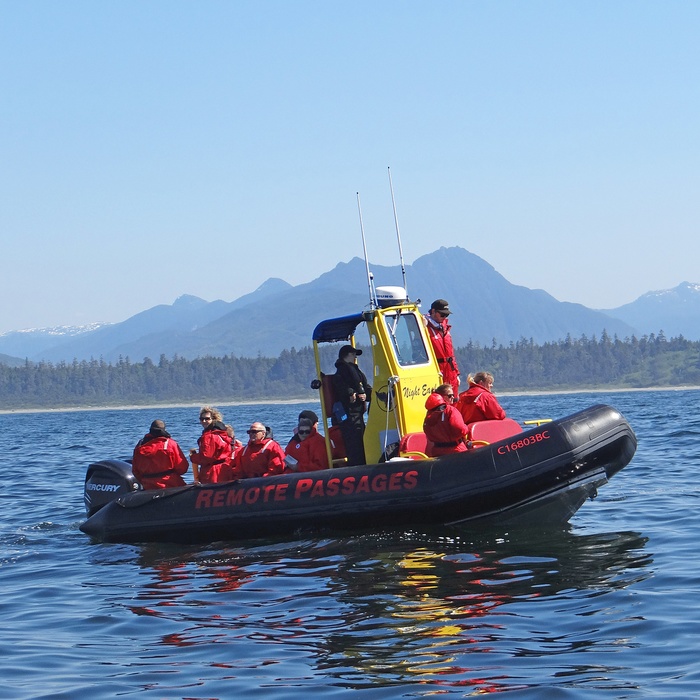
570 364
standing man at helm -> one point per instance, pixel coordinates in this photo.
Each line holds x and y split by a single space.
439 332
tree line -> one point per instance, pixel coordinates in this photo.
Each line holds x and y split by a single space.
572 363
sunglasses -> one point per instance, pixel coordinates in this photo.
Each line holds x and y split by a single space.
303 432
205 419
441 315
253 432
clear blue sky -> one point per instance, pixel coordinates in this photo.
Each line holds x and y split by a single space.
153 149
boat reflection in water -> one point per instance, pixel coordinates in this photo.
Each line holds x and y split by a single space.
402 607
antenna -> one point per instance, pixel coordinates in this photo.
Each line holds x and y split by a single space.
398 234
372 296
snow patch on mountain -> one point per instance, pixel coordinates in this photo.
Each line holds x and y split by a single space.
59 331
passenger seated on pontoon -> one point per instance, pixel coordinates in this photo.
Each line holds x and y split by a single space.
158 462
444 426
213 458
262 456
478 402
306 451
236 444
308 415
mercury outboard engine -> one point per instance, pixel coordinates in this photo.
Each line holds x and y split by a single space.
105 481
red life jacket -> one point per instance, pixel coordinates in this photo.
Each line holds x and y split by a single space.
441 340
214 456
445 430
478 403
158 463
310 454
263 458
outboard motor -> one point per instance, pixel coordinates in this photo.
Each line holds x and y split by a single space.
105 481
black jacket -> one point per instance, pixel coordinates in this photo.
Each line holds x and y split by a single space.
349 379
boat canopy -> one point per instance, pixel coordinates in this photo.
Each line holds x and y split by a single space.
336 329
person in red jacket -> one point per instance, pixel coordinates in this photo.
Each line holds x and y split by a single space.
478 402
306 451
158 462
215 449
443 425
307 415
439 331
236 444
262 456
335 435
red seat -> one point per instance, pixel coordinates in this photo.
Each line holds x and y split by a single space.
489 431
337 446
414 445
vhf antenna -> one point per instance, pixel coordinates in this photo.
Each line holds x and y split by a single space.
372 296
398 234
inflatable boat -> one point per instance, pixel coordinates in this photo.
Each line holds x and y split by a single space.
539 476
511 474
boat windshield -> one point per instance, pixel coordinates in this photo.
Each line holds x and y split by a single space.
406 338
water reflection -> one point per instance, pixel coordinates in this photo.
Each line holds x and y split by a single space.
432 609
418 607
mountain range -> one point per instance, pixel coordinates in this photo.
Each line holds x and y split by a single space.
279 316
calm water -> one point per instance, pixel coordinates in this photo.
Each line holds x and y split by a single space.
608 607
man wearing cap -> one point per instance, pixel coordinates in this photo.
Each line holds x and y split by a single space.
439 332
158 462
352 394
